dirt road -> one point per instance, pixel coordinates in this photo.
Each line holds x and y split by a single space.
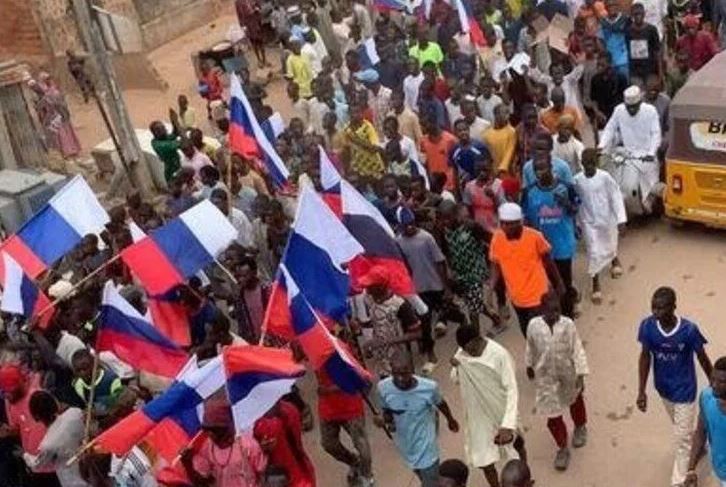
626 448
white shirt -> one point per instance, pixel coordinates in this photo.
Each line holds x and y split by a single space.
487 106
639 134
411 85
196 162
242 224
570 151
342 33
655 12
570 85
61 441
453 110
477 128
319 45
408 147
133 470
316 62
363 17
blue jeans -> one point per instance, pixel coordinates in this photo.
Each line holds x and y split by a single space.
428 476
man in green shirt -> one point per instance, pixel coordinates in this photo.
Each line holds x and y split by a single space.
166 146
425 50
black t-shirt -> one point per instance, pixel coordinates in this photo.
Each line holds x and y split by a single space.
607 91
643 47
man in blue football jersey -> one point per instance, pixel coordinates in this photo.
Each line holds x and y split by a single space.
670 342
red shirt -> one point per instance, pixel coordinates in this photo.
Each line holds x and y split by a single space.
285 429
337 405
441 90
700 48
214 85
31 431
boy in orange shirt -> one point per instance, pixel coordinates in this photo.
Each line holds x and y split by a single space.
521 256
436 146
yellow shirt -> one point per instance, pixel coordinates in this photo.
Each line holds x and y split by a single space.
502 144
516 7
299 69
363 161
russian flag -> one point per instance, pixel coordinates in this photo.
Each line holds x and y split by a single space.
247 137
257 377
323 350
330 181
176 432
318 247
390 5
178 250
370 229
21 296
134 340
71 214
469 23
193 386
167 310
170 316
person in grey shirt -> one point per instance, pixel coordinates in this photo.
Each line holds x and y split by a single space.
428 270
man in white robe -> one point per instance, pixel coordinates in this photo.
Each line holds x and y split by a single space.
601 215
636 126
484 371
556 361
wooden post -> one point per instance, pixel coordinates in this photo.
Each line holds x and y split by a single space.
109 90
91 397
77 285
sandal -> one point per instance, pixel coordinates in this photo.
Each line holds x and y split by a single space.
616 271
596 297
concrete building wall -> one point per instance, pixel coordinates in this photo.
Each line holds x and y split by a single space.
45 29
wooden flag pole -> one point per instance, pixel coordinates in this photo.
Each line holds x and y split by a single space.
226 271
91 397
80 452
375 412
78 284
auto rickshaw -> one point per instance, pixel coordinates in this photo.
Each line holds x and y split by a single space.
696 157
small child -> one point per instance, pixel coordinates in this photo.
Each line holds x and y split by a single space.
601 217
556 361
393 319
453 473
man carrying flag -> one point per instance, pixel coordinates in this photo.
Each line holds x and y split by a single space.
224 460
21 296
341 380
134 340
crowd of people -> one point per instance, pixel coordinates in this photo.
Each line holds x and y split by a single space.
480 146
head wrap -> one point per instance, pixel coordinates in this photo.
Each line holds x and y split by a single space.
510 212
11 378
691 20
61 289
632 95
377 276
